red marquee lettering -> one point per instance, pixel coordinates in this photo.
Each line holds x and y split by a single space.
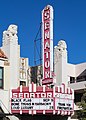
47 74
47 45
47 35
20 95
47 54
46 14
47 64
47 25
32 95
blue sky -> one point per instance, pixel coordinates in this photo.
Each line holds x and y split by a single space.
69 24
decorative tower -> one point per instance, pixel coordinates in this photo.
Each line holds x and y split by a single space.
23 72
60 63
12 50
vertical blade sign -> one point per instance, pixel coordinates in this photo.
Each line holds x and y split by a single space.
47 36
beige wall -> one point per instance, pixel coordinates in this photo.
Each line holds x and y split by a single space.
6 77
71 70
75 70
4 100
80 68
23 69
78 85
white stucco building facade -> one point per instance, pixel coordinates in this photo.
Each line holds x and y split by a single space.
15 71
73 75
70 74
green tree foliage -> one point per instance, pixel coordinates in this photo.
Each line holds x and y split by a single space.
81 114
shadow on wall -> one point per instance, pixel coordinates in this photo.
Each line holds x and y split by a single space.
42 117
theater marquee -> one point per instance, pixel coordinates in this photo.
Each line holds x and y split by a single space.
42 100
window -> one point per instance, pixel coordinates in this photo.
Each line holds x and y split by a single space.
72 79
23 83
81 78
1 77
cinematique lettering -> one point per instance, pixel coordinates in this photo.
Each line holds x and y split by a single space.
32 95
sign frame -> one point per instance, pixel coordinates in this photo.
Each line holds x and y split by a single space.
46 95
47 44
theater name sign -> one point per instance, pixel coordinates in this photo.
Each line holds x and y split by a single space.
42 100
